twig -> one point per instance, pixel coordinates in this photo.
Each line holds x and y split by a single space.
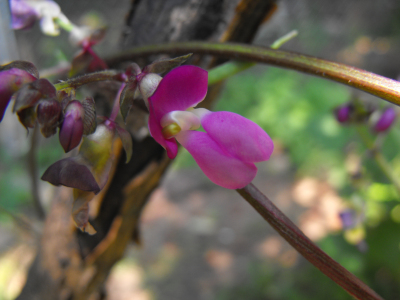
32 169
296 238
374 84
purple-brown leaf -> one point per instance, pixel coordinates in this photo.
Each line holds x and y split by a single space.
166 64
72 173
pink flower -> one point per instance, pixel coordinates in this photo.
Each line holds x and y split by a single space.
228 149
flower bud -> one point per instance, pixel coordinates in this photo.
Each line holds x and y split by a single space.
148 84
11 81
343 113
72 127
48 115
386 120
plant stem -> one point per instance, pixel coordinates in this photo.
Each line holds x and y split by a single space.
231 68
89 78
32 168
381 161
296 238
115 110
67 26
377 85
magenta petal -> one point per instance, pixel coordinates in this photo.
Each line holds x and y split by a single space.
180 89
239 136
156 132
220 167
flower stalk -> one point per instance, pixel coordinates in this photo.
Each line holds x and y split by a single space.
385 88
296 238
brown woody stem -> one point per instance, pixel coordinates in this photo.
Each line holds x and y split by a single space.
296 238
377 85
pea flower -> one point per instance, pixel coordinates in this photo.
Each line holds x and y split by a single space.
229 147
25 13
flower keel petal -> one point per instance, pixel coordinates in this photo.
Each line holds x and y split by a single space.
220 167
239 136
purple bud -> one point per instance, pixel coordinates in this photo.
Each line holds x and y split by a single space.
148 85
72 127
10 82
386 120
348 218
48 115
343 113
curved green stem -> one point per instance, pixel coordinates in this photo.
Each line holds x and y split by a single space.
377 85
231 68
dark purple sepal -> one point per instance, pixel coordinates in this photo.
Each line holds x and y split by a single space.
27 117
48 115
386 120
89 119
72 173
133 70
166 64
30 94
127 98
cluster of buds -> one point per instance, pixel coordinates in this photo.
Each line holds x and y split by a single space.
354 113
226 151
36 100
